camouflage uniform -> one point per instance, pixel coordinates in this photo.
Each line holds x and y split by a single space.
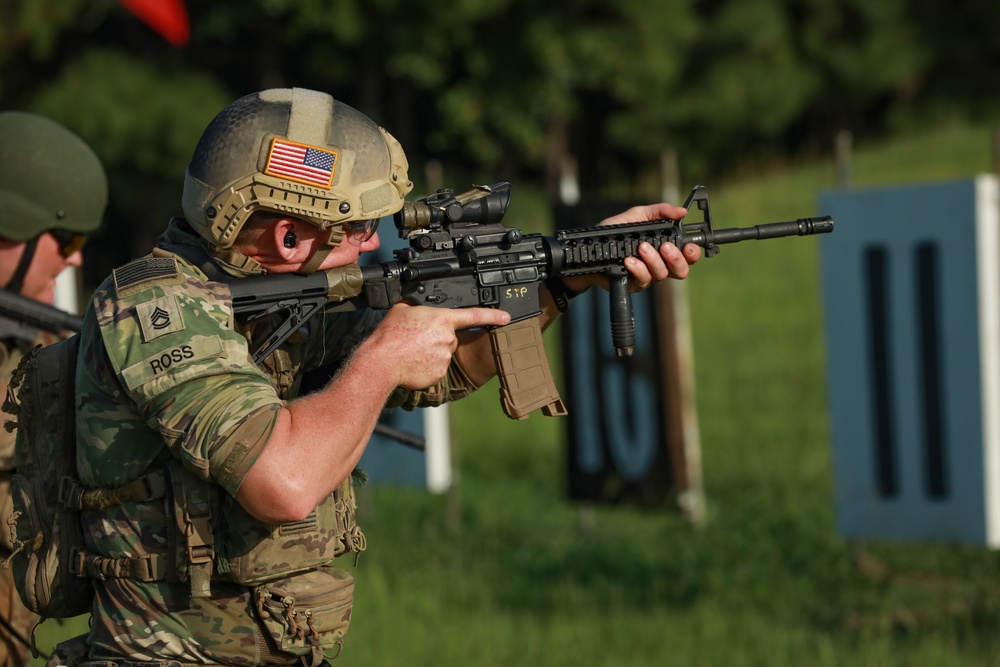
50 181
13 652
165 383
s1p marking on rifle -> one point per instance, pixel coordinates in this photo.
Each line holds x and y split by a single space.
460 254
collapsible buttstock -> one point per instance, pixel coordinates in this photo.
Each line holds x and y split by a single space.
526 382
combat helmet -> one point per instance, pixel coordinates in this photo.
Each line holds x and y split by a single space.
296 152
49 179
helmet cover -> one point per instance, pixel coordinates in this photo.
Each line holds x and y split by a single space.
294 152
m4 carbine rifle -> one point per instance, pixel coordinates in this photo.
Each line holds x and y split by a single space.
460 255
22 318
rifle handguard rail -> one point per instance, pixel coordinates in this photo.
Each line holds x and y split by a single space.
460 255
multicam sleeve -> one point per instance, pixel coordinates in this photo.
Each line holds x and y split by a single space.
189 374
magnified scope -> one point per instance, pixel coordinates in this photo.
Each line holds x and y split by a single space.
484 204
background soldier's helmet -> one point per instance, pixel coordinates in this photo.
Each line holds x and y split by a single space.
295 152
49 179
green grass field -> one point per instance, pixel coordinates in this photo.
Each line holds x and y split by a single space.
506 571
526 578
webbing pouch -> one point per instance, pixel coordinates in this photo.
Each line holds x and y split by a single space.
257 552
44 531
308 614
193 505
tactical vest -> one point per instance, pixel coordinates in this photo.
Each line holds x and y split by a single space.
210 534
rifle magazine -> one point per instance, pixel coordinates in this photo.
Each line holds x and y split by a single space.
526 382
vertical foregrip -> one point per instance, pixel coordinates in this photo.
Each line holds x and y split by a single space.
526 382
622 320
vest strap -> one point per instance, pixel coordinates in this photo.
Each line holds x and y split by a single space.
75 496
147 568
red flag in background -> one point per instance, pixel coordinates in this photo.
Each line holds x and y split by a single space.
167 17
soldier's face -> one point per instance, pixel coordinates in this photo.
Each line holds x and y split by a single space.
48 263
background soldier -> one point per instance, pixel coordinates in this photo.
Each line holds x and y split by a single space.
53 192
238 493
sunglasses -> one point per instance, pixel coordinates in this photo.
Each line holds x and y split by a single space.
69 242
364 227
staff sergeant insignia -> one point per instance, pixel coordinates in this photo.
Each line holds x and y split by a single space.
159 317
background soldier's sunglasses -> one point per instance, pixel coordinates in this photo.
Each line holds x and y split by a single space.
69 242
364 227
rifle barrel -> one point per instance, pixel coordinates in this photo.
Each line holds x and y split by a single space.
773 230
37 315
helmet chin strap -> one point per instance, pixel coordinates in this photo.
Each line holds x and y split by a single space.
318 257
17 280
316 260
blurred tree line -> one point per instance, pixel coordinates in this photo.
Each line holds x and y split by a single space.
502 89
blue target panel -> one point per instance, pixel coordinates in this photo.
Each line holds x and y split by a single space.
911 283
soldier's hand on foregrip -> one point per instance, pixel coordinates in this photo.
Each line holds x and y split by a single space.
526 382
652 265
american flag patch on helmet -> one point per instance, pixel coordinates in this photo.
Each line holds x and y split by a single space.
299 162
